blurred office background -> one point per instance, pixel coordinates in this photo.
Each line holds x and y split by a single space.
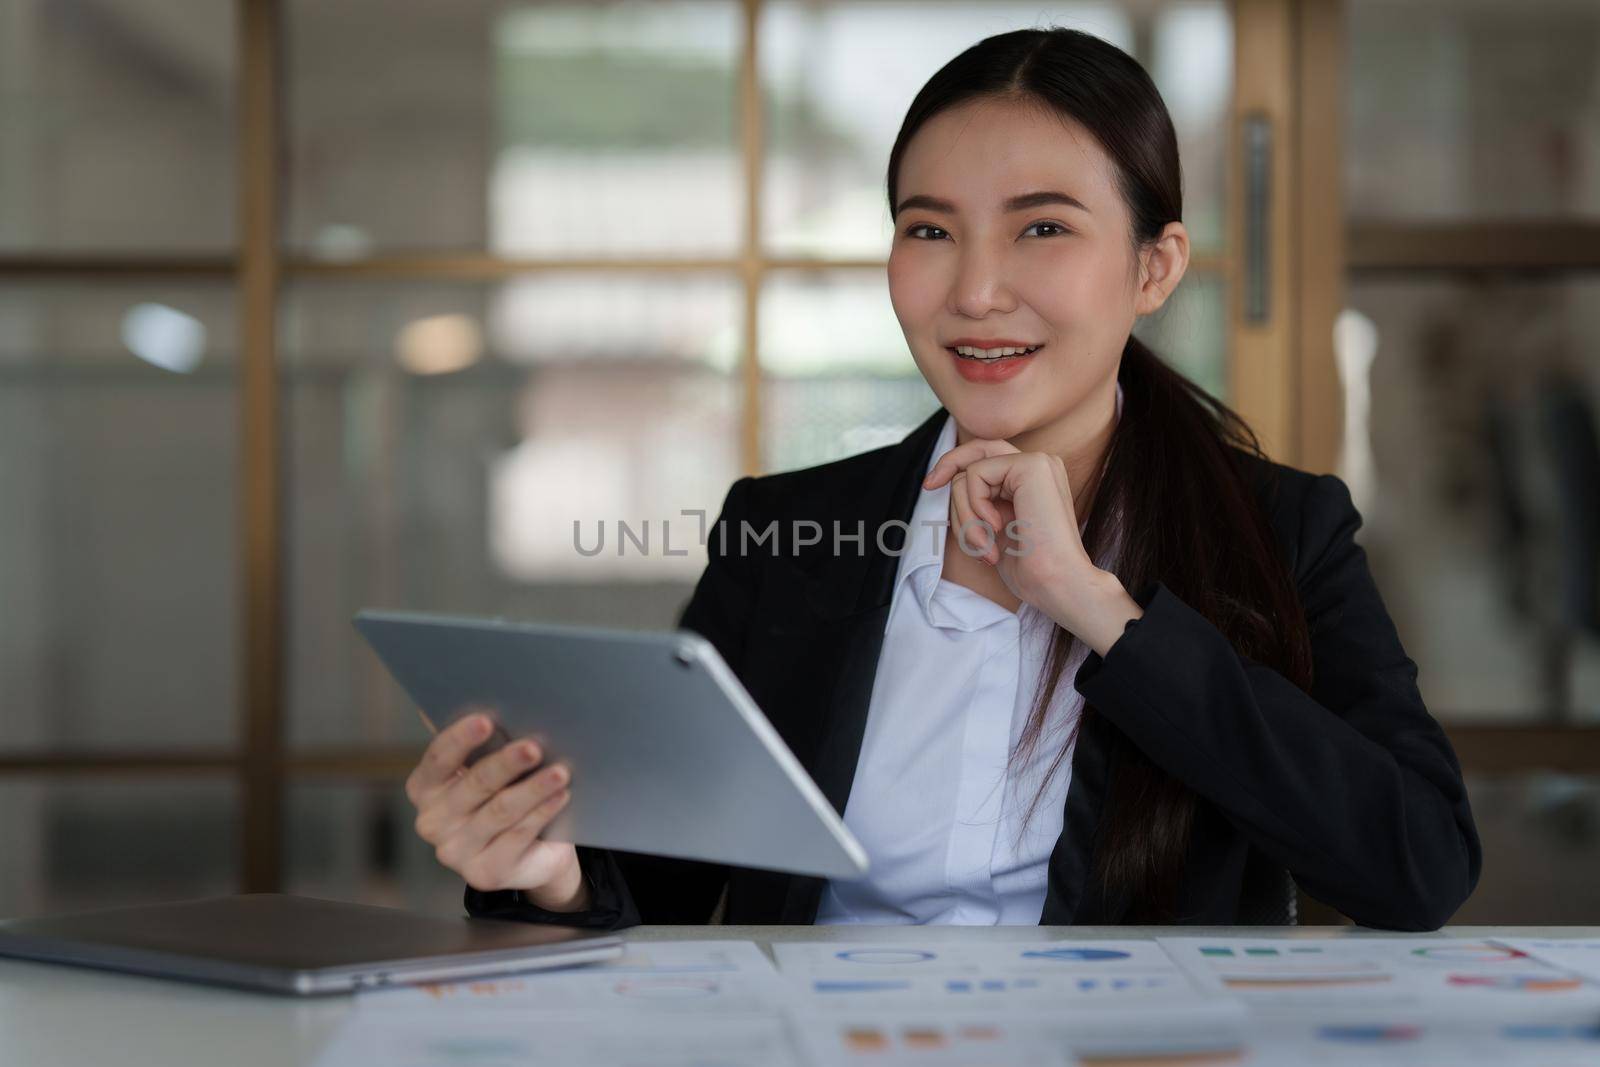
308 306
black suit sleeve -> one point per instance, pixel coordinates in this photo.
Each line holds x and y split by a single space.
668 890
1354 787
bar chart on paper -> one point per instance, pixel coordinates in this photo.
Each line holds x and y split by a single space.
1463 978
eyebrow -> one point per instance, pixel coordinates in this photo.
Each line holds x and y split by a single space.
1016 203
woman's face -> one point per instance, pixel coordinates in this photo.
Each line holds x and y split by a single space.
1010 232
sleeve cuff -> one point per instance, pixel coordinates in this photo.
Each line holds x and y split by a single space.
612 905
1094 661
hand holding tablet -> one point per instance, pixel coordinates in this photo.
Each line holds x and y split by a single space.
666 752
484 816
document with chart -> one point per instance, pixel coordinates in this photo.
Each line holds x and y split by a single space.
928 1040
1099 987
1346 975
474 1037
650 977
1061 974
1390 1040
1580 955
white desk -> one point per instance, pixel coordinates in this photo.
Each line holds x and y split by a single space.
72 1017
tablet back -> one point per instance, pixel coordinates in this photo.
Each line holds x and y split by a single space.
669 754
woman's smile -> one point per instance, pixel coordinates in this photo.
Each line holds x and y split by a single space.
992 362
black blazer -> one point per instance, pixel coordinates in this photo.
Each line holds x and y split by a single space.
1353 789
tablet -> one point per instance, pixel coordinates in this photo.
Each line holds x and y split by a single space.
286 944
669 754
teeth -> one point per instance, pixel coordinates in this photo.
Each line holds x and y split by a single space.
992 353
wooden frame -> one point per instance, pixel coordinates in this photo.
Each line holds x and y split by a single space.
261 696
1289 57
1319 264
1458 248
1484 749
751 266
1262 370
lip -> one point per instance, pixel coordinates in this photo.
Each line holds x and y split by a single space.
998 370
991 342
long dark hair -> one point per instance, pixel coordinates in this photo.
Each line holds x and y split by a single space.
1176 473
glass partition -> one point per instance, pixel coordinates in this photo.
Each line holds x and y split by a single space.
1472 111
118 470
1471 450
543 129
116 127
478 448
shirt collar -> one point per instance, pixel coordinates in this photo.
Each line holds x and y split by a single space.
924 543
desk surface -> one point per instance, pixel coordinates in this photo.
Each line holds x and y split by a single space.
53 1015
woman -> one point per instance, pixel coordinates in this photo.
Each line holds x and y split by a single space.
1012 734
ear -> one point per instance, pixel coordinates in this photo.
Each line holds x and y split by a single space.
1161 267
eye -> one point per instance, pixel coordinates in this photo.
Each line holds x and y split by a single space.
912 231
1056 226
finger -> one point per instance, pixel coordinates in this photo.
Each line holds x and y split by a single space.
510 806
445 755
957 458
972 538
488 776
511 846
986 481
984 488
959 513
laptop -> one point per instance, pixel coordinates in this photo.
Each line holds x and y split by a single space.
669 753
298 945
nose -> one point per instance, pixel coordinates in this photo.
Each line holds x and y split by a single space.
979 286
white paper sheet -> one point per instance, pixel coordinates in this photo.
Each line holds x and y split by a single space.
1326 1002
1043 1037
913 1041
1580 955
470 1036
1427 976
1118 997
1058 975
1386 1041
973 959
650 977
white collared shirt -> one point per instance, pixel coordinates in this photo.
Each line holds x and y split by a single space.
932 801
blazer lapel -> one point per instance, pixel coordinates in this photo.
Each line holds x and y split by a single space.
846 584
850 594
